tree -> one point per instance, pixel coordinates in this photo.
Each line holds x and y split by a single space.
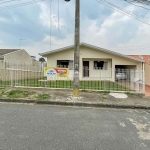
42 59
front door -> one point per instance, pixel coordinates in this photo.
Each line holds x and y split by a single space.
85 68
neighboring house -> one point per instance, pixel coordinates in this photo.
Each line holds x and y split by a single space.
18 59
145 58
95 62
12 57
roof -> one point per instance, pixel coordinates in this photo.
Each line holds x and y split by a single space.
146 58
6 51
91 46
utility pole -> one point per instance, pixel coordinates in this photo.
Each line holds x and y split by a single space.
76 82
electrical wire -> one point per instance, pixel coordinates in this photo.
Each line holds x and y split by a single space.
20 5
136 4
58 17
124 11
143 2
8 1
50 23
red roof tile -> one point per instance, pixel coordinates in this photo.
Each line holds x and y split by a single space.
146 58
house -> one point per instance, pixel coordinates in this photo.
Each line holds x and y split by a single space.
145 58
95 62
18 59
12 57
16 64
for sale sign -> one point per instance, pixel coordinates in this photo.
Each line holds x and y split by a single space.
55 72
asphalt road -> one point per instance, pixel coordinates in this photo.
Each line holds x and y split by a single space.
43 127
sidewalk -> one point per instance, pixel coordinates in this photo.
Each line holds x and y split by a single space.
86 99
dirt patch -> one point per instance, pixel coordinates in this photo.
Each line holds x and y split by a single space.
85 96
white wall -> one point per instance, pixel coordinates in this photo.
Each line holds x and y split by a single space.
91 55
18 57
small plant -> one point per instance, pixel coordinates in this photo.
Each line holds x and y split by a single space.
18 94
128 93
84 90
105 92
43 97
102 98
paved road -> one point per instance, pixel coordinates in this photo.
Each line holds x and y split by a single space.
38 127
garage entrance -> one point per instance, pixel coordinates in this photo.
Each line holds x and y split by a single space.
133 67
124 72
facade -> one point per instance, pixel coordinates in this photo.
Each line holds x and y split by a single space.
19 59
95 62
12 57
145 58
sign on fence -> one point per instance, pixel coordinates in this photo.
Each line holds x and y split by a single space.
55 72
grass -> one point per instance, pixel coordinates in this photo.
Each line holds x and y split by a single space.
18 94
24 94
84 85
43 97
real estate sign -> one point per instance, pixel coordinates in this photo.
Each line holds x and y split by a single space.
55 72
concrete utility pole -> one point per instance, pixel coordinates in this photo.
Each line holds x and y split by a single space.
76 82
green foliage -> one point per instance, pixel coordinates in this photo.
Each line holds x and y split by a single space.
42 59
18 94
43 97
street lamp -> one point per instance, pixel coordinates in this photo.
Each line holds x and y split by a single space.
76 82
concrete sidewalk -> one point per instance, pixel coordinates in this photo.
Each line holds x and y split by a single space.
86 99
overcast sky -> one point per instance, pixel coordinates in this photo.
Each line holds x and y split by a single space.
100 26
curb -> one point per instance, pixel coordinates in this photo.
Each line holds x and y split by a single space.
81 104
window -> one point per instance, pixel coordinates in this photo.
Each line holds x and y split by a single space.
101 65
65 64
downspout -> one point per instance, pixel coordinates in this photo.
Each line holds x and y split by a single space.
4 62
143 74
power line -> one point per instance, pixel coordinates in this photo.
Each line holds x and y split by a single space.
50 23
8 1
143 2
135 4
20 5
137 46
58 17
124 11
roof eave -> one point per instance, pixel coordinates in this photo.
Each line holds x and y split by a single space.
95 47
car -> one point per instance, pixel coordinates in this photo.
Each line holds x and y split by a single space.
121 76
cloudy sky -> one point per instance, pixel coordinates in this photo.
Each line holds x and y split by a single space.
100 26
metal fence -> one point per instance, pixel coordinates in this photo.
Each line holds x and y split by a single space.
106 80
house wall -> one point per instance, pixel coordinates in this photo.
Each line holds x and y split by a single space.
18 57
91 55
106 74
2 65
147 74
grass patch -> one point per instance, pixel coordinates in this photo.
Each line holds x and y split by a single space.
129 93
106 86
43 97
18 94
102 98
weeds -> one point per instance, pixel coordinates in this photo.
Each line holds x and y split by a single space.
18 94
43 97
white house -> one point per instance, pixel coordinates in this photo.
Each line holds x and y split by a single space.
95 62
